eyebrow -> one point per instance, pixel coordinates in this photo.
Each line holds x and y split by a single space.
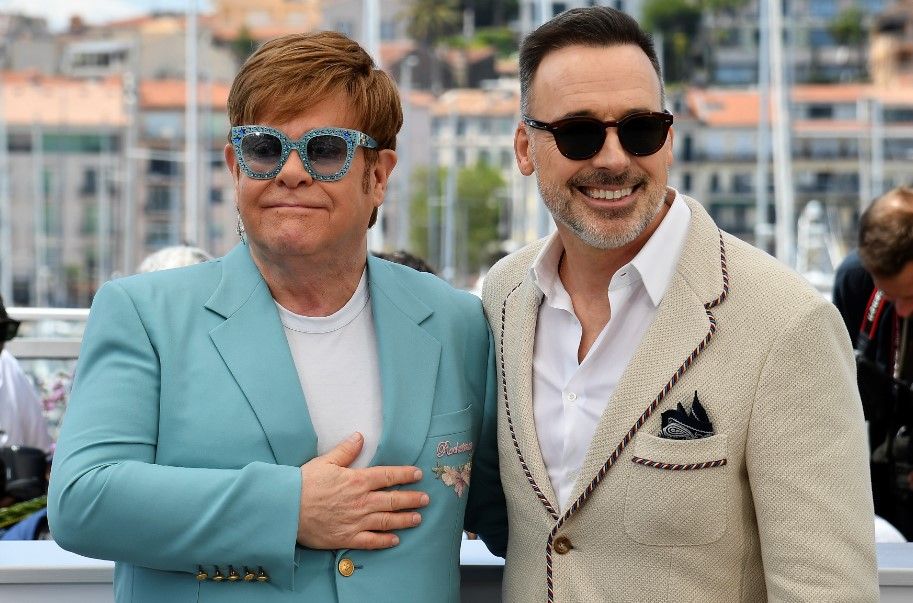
589 113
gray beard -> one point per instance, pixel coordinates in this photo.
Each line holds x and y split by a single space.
595 237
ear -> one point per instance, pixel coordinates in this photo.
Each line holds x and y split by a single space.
670 156
231 162
380 172
521 150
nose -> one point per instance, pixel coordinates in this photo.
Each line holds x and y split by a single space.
612 156
293 174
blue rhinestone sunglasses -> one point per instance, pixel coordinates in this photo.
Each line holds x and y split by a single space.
326 152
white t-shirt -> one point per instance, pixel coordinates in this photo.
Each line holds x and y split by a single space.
21 420
336 358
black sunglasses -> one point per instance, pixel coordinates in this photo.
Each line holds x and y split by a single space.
640 134
8 328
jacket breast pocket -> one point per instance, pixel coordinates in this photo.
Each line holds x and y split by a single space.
447 458
450 422
678 490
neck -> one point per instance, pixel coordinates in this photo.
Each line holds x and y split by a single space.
309 286
588 270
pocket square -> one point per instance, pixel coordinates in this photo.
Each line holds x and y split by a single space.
679 424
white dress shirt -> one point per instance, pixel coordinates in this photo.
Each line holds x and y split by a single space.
22 422
339 371
569 398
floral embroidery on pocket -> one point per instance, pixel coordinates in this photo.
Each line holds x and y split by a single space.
455 477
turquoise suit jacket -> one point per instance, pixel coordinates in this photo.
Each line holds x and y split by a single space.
187 425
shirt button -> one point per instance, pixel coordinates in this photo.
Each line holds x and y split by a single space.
571 396
346 567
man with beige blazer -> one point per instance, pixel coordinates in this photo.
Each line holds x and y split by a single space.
678 415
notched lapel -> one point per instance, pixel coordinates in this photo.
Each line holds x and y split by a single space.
409 358
253 346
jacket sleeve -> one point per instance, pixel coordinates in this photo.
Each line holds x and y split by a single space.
109 499
808 467
486 509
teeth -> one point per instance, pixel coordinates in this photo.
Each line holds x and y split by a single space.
598 193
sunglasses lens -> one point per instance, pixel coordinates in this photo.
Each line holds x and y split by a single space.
642 135
261 151
580 138
327 154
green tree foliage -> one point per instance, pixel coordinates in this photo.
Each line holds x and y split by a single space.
429 24
678 21
478 208
432 20
847 29
243 45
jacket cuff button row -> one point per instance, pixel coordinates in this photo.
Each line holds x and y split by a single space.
233 575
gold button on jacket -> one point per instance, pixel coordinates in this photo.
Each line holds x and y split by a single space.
346 567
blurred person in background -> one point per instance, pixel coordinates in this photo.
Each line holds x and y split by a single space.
22 422
873 290
298 420
174 256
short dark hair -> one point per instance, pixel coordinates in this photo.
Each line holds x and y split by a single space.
594 26
886 233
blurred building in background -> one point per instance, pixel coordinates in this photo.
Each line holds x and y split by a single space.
94 174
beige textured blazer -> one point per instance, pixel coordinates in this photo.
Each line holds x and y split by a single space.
776 505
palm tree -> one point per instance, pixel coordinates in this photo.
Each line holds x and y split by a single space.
430 21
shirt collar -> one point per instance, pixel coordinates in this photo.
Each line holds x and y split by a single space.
657 259
653 265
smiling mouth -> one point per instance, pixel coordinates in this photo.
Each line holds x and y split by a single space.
603 194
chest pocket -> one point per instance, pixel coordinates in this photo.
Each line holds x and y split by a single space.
678 490
447 458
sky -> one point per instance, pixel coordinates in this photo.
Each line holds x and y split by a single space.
58 12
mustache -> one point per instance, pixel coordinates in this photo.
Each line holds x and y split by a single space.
606 178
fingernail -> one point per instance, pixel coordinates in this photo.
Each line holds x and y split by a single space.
395 540
355 437
416 519
417 475
424 499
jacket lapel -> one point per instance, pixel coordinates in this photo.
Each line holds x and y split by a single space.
680 327
252 338
518 339
409 357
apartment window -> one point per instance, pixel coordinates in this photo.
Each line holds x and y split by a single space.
826 9
215 196
686 182
820 38
158 235
742 183
161 167
89 182
485 157
507 159
159 200
820 111
714 183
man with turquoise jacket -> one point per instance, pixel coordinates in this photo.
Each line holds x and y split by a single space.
298 420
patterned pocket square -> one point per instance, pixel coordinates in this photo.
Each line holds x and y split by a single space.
679 424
